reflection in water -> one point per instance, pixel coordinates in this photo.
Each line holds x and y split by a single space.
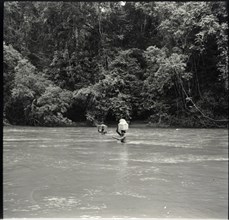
74 172
123 161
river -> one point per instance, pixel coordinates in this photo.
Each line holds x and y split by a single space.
77 173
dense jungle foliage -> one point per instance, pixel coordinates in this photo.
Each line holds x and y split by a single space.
165 63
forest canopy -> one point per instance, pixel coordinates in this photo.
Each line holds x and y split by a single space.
165 63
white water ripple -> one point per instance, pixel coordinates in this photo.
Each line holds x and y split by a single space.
172 160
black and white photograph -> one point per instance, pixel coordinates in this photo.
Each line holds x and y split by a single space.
115 110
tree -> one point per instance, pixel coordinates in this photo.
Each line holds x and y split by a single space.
139 60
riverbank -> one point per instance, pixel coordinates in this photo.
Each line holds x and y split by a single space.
133 124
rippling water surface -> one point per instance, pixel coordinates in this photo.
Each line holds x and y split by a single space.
76 172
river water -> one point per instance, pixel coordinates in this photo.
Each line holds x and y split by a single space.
77 173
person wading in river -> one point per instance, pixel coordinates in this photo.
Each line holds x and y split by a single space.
102 129
121 130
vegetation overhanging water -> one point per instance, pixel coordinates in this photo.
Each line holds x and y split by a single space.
162 62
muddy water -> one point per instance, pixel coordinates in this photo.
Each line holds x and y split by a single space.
76 172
